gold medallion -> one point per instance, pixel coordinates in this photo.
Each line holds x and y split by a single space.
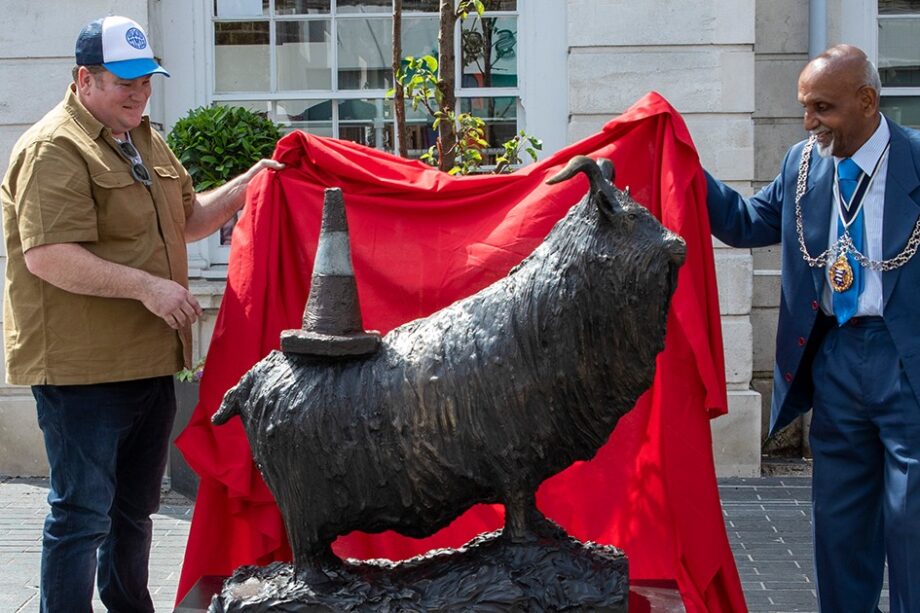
840 275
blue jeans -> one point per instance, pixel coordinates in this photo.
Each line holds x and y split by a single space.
107 446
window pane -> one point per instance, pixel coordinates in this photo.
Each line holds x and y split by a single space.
899 52
500 115
364 6
420 36
489 52
904 110
898 7
240 8
365 48
368 122
313 116
371 109
423 6
241 56
257 106
303 54
499 108
301 7
500 5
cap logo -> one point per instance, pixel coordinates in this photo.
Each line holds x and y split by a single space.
136 38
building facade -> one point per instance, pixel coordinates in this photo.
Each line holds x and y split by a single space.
557 69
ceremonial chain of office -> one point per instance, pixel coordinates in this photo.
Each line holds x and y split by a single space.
844 244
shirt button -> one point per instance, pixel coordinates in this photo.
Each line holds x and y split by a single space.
801 341
814 305
788 377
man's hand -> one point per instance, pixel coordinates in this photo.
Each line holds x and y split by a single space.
214 208
74 269
247 176
172 303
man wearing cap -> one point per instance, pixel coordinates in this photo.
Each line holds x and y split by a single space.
97 316
846 208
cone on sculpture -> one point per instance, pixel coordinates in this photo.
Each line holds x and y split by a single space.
332 323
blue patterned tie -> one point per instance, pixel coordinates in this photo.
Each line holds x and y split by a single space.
846 302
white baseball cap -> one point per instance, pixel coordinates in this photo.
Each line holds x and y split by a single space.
120 45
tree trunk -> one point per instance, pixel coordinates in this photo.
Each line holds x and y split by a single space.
446 84
488 30
399 98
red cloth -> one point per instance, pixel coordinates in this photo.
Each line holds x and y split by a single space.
421 240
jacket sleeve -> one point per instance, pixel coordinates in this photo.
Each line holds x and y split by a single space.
752 222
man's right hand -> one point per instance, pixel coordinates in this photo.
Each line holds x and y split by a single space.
172 303
71 267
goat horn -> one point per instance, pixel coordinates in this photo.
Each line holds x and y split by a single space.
597 173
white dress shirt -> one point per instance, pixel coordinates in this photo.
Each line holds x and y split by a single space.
867 157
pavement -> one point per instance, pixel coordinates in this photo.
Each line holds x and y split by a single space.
23 508
768 521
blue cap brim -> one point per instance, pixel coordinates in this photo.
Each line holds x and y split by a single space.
132 69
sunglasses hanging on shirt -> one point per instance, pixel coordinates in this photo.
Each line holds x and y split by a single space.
138 170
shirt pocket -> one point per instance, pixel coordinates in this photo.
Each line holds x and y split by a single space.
172 191
125 209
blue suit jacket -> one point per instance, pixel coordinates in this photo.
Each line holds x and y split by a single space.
769 218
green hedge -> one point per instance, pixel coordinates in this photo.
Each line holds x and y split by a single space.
218 143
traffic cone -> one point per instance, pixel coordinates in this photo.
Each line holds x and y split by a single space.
332 323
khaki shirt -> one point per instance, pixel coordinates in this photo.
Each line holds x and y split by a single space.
67 183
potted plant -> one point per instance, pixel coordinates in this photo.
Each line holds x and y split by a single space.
218 143
182 478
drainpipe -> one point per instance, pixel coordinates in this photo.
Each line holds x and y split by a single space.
817 27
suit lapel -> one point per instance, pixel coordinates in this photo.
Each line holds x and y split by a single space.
901 211
816 211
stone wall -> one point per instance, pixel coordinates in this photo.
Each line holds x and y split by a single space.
701 57
781 51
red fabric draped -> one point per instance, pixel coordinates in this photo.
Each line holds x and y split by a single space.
421 240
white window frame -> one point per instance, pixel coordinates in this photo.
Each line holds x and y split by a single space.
859 21
542 108
220 253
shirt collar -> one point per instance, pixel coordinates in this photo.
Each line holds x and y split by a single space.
867 156
92 126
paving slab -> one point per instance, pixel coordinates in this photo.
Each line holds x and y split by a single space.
768 522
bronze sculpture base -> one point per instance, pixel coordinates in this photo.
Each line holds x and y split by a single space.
489 573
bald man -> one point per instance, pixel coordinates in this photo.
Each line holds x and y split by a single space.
846 208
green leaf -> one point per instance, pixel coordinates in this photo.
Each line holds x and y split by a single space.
218 143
